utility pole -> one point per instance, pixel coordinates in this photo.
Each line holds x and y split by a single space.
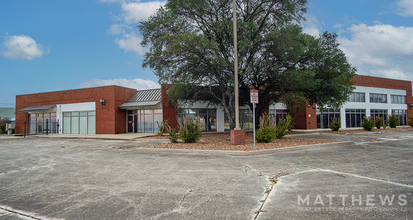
237 135
236 66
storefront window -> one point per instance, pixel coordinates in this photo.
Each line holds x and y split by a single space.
354 117
42 123
245 119
79 122
207 118
144 121
401 115
325 117
374 113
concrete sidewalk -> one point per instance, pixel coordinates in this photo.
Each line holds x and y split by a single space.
129 136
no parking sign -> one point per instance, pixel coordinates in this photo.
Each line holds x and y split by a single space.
254 96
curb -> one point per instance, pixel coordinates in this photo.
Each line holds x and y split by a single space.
245 153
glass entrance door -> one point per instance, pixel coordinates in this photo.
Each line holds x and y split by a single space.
39 123
130 123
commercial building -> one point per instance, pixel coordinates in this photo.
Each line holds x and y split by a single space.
115 109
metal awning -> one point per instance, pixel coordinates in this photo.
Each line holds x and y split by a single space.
41 108
138 105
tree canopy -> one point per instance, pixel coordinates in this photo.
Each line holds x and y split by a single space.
191 48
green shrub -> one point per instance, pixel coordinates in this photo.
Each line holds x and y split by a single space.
410 122
265 134
173 136
393 121
282 126
3 122
335 124
368 123
378 122
164 127
268 132
190 132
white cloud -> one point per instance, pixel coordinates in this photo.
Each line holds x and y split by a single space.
132 12
382 50
405 7
135 12
312 26
130 83
116 29
131 42
22 47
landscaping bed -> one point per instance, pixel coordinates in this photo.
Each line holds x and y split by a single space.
221 141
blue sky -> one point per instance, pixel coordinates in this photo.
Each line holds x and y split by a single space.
53 45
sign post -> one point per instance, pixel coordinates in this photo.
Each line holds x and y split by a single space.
254 100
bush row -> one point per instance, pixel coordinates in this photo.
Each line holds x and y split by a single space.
270 131
188 130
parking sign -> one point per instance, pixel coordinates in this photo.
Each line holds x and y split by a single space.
254 96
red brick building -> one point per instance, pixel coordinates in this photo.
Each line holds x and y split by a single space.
115 109
109 119
367 87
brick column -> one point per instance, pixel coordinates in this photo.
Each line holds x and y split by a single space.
238 137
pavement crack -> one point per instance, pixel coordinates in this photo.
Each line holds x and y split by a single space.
183 198
267 193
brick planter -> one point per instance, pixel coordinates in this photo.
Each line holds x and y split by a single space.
238 137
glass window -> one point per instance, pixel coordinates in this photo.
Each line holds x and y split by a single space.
212 120
75 125
91 124
398 99
324 118
379 113
354 117
401 116
207 118
378 98
357 97
141 123
157 118
148 122
66 125
83 125
78 122
32 123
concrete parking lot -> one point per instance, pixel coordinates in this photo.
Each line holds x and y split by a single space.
120 179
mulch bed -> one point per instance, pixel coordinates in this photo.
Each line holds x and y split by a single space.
221 141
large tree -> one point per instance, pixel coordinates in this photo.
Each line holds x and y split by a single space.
191 48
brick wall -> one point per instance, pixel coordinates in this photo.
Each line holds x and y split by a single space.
109 119
304 122
307 118
169 112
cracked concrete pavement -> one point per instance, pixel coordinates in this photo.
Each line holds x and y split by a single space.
96 179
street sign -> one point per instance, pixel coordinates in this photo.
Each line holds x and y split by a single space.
254 96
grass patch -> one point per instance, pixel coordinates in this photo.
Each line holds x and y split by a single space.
62 147
123 148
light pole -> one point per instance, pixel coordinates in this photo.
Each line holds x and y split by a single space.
236 66
237 135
